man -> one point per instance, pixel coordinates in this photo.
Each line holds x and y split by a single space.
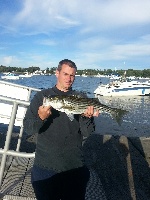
59 171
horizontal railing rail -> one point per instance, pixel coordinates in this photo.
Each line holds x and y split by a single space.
19 86
10 100
18 154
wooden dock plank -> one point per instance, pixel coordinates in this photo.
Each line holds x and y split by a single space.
124 172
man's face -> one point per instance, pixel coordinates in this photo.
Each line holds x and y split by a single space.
65 77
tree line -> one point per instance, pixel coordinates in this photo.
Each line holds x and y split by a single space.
89 72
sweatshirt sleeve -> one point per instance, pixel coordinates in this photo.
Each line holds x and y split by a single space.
87 125
32 122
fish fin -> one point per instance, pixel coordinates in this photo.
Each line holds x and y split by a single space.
118 115
71 116
44 101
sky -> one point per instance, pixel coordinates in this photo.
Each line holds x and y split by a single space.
95 34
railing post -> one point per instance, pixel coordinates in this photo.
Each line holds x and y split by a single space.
19 138
7 142
22 128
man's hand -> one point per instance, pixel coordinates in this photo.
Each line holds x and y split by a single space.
44 112
90 112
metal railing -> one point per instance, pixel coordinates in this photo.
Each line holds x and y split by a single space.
16 103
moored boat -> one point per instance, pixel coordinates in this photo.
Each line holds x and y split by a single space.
26 75
124 88
10 76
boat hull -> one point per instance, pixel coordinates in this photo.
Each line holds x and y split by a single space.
10 77
136 89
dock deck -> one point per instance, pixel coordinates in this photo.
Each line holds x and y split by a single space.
119 166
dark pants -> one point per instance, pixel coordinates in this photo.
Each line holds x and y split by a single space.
69 185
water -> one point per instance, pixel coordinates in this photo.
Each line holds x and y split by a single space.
135 123
85 84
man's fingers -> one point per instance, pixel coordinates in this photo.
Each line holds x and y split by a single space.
44 112
96 114
90 112
46 107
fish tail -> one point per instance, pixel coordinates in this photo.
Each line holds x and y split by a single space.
118 115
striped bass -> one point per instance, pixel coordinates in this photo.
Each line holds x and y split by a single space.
77 105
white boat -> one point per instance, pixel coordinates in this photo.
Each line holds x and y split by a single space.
26 75
125 88
114 77
84 75
10 76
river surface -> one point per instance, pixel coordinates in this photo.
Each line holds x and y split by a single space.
135 123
